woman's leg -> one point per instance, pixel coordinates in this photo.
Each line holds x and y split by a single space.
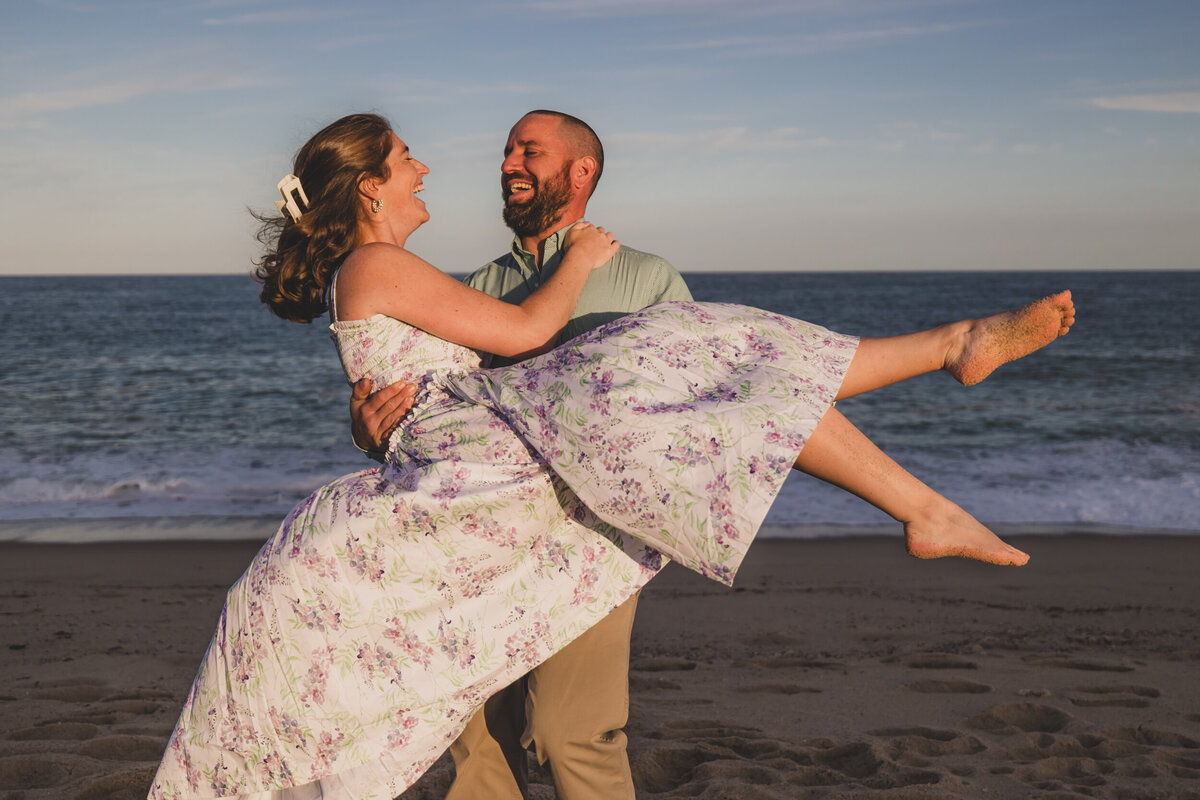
839 453
968 350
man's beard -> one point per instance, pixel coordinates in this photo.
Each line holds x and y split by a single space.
539 214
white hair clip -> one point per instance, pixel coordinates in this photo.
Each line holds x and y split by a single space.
290 188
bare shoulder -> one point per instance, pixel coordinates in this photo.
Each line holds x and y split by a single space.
366 273
375 256
382 278
379 261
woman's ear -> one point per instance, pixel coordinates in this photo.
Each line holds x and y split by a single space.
368 189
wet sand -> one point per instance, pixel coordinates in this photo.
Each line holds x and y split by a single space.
836 668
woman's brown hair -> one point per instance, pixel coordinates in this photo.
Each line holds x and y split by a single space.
303 254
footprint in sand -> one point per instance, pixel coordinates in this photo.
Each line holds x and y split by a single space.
111 712
123 747
703 758
662 665
770 639
866 764
128 707
1112 696
937 661
56 731
691 729
948 687
692 746
856 759
1084 665
143 694
77 693
1053 773
1179 765
776 688
794 662
1152 738
132 784
1041 746
642 683
30 772
927 742
1120 755
1016 717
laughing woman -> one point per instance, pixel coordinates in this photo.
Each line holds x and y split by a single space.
519 505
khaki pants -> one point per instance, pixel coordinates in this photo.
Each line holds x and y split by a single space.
572 708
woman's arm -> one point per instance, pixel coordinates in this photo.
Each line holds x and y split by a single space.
385 279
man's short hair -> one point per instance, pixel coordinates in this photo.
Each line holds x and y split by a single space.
580 138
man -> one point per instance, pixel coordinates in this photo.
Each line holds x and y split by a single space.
574 706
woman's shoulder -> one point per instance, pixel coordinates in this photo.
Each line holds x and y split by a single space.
384 278
374 255
359 278
370 264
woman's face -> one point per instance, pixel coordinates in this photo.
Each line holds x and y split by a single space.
399 191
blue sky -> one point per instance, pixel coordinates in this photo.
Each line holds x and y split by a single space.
759 134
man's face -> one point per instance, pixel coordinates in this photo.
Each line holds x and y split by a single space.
535 178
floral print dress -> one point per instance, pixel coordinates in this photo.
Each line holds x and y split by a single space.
517 507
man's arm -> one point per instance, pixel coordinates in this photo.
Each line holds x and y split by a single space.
671 283
633 281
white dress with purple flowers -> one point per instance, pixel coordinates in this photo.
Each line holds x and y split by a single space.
517 507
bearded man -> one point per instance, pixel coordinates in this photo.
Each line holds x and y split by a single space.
573 707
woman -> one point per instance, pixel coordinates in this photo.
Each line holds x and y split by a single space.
519 505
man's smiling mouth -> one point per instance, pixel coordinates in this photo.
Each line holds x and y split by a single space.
519 185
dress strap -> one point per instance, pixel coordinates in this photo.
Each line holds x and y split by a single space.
333 296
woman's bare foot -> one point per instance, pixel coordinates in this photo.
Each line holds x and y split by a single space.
950 531
988 342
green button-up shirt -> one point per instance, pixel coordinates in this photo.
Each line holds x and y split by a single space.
629 282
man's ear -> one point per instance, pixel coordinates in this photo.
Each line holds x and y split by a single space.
583 172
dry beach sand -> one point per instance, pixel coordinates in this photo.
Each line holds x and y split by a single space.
837 668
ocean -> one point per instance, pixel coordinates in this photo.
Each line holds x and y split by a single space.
184 397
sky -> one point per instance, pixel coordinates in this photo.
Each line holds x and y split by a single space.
136 136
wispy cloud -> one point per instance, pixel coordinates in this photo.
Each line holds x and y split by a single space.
597 8
939 135
828 41
25 105
734 139
742 9
1165 103
398 89
356 41
281 17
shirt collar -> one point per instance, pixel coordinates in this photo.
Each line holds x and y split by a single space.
550 253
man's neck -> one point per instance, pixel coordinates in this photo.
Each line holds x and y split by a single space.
536 244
